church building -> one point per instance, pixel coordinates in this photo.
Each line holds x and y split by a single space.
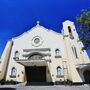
41 55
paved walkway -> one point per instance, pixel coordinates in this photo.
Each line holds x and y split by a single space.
55 87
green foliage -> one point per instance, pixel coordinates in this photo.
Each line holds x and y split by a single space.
84 27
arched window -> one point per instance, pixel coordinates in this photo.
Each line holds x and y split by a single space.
74 51
59 71
69 29
13 72
70 32
57 52
35 56
17 54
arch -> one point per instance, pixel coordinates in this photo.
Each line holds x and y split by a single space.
57 52
35 56
70 32
74 51
17 54
13 72
86 75
69 29
59 71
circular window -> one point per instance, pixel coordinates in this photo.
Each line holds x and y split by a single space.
37 41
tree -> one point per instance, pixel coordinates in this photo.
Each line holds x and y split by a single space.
83 22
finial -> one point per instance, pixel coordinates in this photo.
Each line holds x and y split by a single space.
38 22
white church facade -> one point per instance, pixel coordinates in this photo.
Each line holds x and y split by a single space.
42 55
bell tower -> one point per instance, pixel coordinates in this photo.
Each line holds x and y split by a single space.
69 30
70 40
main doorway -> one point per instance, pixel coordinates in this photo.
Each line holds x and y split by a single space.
35 74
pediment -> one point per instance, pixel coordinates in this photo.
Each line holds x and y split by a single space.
38 29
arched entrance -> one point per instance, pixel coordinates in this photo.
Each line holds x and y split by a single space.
35 73
86 74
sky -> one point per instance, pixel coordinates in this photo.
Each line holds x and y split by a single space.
18 16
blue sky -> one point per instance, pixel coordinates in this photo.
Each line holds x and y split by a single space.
17 16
